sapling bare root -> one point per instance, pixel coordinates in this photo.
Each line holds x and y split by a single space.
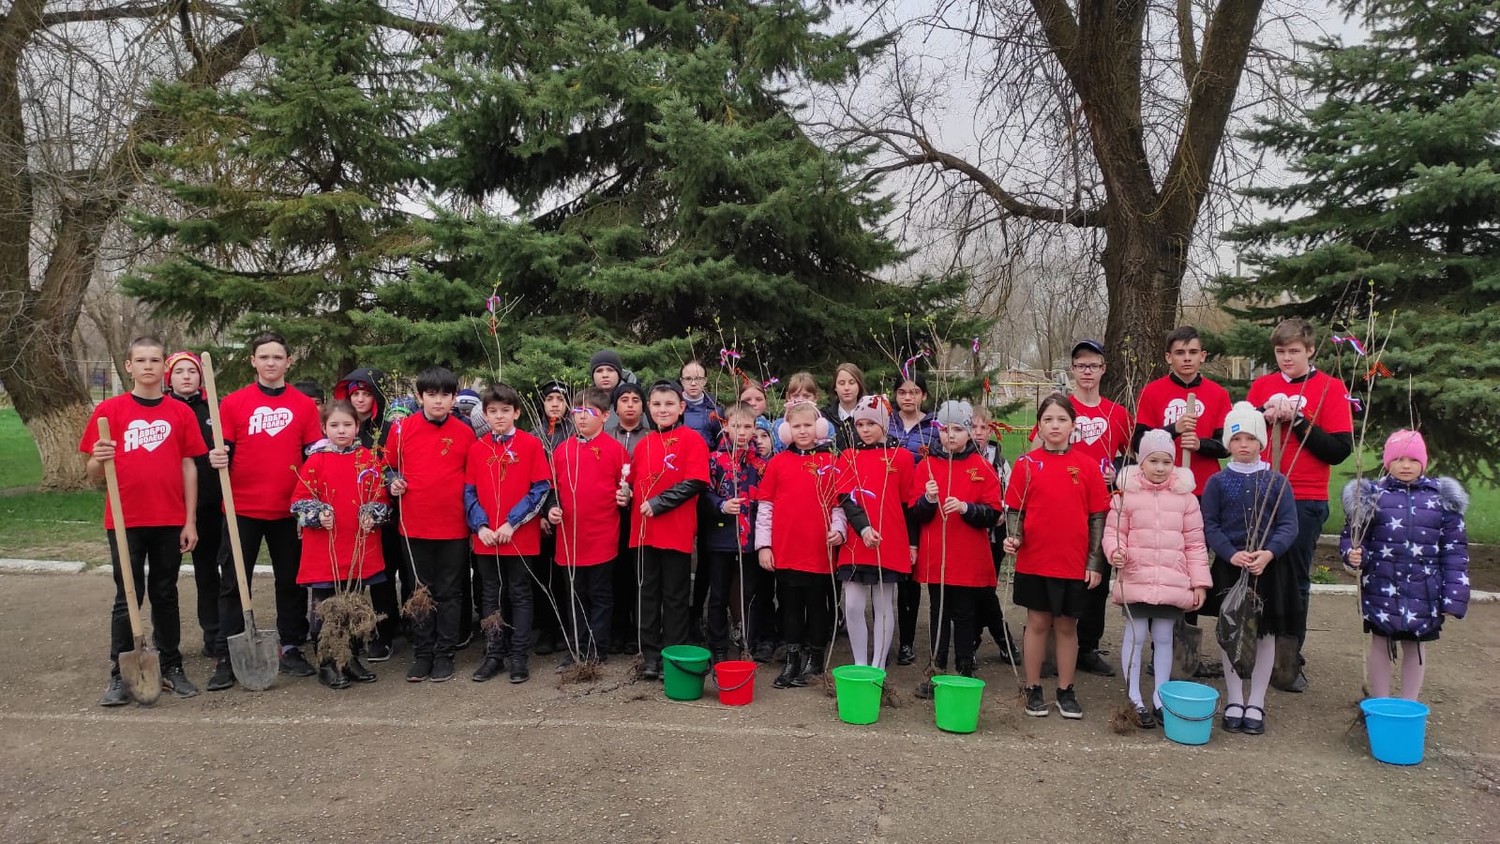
346 617
420 606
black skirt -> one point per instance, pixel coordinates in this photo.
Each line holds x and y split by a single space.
1407 636
869 575
1281 601
1055 595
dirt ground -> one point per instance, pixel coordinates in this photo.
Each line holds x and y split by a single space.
1484 565
615 760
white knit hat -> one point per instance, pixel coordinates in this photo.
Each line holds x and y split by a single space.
1244 418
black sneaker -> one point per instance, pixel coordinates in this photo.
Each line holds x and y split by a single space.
906 655
295 664
442 669
420 670
114 693
1092 662
223 677
520 672
1036 703
175 681
1067 704
379 650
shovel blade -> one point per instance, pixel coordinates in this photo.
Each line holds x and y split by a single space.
140 671
255 656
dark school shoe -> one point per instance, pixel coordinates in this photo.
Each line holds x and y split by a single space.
488 669
442 669
223 676
331 677
520 672
1067 704
1234 723
295 664
357 672
1254 726
1144 717
1094 663
420 670
379 650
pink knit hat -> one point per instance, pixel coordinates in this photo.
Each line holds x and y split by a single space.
1405 443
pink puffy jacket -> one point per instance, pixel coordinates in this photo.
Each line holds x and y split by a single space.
1160 529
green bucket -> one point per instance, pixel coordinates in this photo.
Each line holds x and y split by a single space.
683 670
956 702
858 688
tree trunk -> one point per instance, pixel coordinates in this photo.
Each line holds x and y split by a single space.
1143 270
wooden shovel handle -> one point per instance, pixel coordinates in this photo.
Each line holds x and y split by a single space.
229 517
122 548
1191 410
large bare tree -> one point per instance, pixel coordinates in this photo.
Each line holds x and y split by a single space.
1098 124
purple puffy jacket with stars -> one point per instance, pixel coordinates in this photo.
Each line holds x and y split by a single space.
1416 553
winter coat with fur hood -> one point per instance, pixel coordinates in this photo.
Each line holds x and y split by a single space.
1415 566
1160 530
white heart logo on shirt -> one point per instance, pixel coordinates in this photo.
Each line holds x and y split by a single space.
269 420
148 435
1176 408
1299 399
1088 429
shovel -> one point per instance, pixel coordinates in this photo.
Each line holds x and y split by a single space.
140 669
254 654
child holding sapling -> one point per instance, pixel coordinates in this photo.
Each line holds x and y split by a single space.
1061 500
1405 533
1250 523
734 472
340 502
1154 537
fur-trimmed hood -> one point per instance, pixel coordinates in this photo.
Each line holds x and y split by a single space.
1132 479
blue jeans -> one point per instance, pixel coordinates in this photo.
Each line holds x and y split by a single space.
1310 518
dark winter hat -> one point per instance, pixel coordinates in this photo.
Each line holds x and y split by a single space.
606 357
1087 345
627 387
468 400
665 384
553 386
916 378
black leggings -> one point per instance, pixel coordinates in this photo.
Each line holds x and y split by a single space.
959 607
805 607
908 604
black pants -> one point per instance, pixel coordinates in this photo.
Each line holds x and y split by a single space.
210 524
721 569
1310 518
442 564
549 600
760 602
954 613
1091 623
991 615
702 577
159 547
908 604
472 599
626 584
509 573
666 592
389 595
804 596
590 605
280 537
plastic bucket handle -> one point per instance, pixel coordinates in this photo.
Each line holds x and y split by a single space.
1176 714
749 678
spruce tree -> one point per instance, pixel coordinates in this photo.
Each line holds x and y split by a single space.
1393 209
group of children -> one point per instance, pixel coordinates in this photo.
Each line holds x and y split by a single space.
827 515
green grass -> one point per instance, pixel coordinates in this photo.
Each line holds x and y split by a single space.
19 463
1482 518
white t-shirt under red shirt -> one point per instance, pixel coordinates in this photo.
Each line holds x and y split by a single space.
152 437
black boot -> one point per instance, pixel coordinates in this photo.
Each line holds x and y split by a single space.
790 672
330 676
355 670
812 667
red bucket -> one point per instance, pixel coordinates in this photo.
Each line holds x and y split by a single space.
736 681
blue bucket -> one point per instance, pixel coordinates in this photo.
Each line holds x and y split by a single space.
1397 728
1187 711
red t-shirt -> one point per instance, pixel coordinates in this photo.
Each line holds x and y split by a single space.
431 457
1101 431
1164 401
1324 400
152 438
952 551
660 461
269 433
802 490
502 474
588 473
345 482
1057 493
884 482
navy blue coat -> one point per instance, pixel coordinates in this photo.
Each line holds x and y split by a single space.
1415 566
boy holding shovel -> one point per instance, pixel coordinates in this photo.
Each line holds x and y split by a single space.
153 446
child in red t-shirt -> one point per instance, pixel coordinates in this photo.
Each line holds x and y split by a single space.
881 477
268 426
506 482
340 503
590 473
1062 501
427 453
1163 405
960 502
668 470
1310 411
797 524
153 443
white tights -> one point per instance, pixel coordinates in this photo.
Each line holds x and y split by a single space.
1260 678
1137 632
882 597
